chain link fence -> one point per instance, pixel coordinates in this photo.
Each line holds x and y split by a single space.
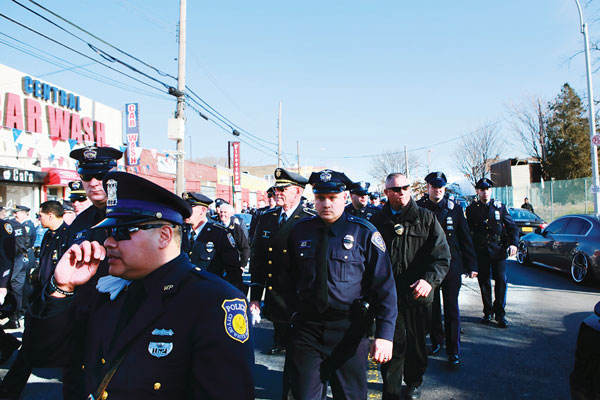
550 199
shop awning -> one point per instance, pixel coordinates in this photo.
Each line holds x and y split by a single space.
60 177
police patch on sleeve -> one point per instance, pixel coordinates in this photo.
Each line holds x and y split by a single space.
231 240
236 319
377 240
8 228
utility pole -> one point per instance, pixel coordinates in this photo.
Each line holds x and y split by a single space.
428 160
406 163
279 138
298 152
180 176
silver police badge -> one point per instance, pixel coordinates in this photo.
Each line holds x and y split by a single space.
160 349
111 191
399 229
449 223
90 154
497 215
325 176
210 246
348 241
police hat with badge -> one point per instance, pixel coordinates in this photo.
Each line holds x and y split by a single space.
484 183
68 206
374 196
77 192
196 199
22 208
271 192
328 181
436 179
284 178
360 188
132 200
94 162
220 201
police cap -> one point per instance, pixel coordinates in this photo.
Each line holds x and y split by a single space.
484 183
95 160
374 196
436 179
196 199
22 208
68 206
285 178
360 188
132 199
77 191
328 181
220 201
271 191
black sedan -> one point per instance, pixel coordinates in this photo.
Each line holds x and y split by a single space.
526 220
570 243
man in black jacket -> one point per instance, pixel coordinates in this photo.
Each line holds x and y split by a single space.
450 216
420 259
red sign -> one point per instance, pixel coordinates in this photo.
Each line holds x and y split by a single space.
596 140
237 179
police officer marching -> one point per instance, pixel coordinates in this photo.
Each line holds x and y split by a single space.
8 343
360 205
452 220
340 277
495 236
269 253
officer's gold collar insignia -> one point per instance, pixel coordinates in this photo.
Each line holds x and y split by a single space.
236 319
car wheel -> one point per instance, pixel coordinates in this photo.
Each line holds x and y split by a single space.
580 268
522 254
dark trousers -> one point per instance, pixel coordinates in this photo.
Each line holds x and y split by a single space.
497 269
409 357
16 284
15 380
334 352
281 331
450 331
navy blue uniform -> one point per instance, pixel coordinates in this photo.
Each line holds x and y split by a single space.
7 252
19 271
54 244
492 230
214 250
452 220
366 212
173 350
329 341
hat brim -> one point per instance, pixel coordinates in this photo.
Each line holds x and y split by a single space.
120 221
328 188
438 183
359 192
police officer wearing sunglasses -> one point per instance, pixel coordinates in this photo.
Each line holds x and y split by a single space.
360 205
159 327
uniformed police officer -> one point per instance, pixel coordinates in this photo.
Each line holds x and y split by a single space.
340 274
8 343
420 259
495 236
160 327
260 211
452 220
360 206
374 197
78 196
238 230
70 214
211 247
269 252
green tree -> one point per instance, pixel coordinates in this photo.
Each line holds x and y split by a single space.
568 140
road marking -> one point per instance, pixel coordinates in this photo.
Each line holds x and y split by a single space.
373 376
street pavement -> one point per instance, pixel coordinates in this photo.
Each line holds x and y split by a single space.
532 359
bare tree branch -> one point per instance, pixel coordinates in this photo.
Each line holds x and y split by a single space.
477 151
392 161
528 124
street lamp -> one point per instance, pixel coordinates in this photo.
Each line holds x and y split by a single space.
594 150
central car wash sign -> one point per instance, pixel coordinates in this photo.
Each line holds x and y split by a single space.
132 130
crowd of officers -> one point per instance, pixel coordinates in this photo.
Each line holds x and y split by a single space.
142 292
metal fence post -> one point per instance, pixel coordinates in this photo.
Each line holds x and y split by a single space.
552 199
585 195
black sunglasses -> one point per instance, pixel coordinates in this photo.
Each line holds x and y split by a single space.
281 188
398 189
89 177
124 232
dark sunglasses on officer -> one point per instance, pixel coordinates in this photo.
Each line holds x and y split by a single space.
398 189
124 232
88 177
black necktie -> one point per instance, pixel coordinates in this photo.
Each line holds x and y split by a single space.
134 296
321 276
283 219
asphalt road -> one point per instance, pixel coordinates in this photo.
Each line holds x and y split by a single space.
532 359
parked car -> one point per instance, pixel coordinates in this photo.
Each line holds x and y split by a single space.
526 220
570 243
247 218
585 378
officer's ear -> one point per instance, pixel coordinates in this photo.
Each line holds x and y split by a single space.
166 235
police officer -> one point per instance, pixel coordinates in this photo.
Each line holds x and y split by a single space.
420 258
160 327
495 236
452 220
211 247
70 214
340 275
260 211
8 343
238 229
269 250
374 197
360 206
78 196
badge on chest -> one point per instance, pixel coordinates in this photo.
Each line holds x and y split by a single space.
348 242
160 349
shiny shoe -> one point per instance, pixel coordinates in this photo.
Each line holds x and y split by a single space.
502 322
12 324
454 359
413 392
435 348
276 350
486 319
9 346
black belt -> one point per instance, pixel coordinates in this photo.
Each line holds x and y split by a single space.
309 313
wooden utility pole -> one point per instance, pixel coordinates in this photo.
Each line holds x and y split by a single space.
279 138
180 175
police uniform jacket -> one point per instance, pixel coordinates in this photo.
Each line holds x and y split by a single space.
214 250
269 257
358 268
492 229
366 212
240 235
54 245
452 220
189 339
21 238
7 252
255 217
417 247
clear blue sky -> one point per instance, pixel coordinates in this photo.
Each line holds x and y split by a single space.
355 77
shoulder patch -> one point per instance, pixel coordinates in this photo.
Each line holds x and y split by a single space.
8 228
363 222
450 205
236 319
231 240
378 241
497 204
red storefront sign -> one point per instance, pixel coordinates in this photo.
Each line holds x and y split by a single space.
237 179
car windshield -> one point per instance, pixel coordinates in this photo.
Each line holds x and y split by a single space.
516 213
